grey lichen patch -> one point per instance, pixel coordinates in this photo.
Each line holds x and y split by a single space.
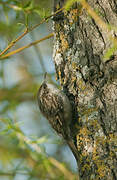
88 114
58 58
86 93
110 92
70 77
64 35
85 71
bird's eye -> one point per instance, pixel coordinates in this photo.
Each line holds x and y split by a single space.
44 86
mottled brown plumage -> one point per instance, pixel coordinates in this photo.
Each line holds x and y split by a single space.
55 106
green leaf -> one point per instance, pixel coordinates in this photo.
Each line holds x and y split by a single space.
110 52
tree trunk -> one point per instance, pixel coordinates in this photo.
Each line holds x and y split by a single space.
90 83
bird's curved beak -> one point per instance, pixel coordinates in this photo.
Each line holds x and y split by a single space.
45 76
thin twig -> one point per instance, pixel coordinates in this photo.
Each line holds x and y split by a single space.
13 42
62 168
27 46
27 30
12 173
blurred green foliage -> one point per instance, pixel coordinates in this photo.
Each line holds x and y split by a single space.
23 131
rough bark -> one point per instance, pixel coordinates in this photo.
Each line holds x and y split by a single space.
91 85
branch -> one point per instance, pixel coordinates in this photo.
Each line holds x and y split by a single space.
29 30
13 42
27 46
